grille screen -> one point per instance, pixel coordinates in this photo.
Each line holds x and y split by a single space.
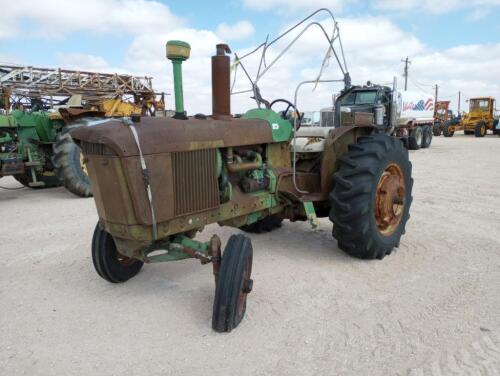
195 181
95 149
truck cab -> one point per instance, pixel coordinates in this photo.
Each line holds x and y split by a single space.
370 102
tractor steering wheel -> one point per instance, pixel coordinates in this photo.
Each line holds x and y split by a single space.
283 114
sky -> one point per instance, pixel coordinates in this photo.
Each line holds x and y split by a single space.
452 43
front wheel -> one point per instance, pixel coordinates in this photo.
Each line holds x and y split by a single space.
371 198
448 130
436 129
234 283
480 129
108 262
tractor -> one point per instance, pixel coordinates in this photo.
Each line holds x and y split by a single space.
37 150
159 181
443 116
480 118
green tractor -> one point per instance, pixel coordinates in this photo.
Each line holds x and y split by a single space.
37 150
158 181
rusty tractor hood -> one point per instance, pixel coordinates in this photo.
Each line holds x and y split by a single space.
161 135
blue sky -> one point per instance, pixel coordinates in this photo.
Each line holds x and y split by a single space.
103 35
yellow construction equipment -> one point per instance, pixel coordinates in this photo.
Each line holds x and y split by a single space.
480 118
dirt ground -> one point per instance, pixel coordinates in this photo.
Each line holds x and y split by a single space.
430 308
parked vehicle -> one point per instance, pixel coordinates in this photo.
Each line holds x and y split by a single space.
481 118
407 115
443 117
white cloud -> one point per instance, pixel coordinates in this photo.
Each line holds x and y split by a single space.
478 14
239 30
146 56
82 61
55 18
431 6
295 5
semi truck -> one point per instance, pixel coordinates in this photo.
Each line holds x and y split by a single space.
407 115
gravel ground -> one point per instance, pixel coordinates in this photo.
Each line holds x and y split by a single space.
430 308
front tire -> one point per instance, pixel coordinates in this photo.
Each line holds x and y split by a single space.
480 129
70 167
234 283
436 129
448 130
108 262
371 197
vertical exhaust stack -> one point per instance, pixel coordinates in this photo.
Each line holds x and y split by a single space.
177 52
221 85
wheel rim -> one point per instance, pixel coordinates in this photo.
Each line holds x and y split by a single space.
390 199
483 130
245 286
83 163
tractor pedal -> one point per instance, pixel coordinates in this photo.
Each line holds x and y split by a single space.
311 215
36 184
32 164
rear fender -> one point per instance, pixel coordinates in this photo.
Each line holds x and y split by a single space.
336 146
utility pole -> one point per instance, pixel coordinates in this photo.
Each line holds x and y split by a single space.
435 98
459 96
406 61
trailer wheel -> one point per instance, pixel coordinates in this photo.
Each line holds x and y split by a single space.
448 131
371 198
436 129
267 224
234 283
70 167
427 137
415 139
480 129
109 264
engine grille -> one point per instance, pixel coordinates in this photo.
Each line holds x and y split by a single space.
89 148
195 181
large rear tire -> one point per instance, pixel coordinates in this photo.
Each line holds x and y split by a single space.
371 197
70 167
415 138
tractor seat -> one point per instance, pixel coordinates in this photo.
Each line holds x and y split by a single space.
311 139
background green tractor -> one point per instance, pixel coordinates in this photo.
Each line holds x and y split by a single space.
37 150
26 141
